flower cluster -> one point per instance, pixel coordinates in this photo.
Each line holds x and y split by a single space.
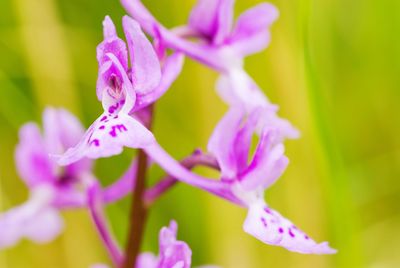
56 165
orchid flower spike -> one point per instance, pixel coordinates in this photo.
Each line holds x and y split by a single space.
222 45
124 90
230 144
51 187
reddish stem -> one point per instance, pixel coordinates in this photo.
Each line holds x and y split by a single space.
138 215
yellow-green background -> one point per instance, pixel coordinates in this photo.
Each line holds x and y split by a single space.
334 69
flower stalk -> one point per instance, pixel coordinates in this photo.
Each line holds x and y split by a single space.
138 213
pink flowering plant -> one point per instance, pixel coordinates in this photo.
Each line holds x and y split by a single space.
56 162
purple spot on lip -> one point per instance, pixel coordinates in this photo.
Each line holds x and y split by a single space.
103 118
95 142
291 233
280 230
264 221
267 210
102 127
114 129
113 108
306 237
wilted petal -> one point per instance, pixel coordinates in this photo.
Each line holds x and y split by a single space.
270 227
146 71
107 136
173 253
268 164
251 33
222 142
213 18
33 163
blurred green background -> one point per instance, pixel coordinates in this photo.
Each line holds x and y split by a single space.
334 69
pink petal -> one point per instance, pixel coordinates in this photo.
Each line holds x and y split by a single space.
109 30
34 165
139 12
121 91
243 140
206 54
251 33
45 227
107 136
268 164
222 142
112 44
62 130
147 260
270 227
269 120
146 71
213 18
35 220
173 253
237 88
171 69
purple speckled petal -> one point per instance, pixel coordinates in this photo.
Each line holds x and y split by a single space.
268 164
270 227
173 253
35 220
251 33
222 142
171 69
107 136
213 19
146 71
33 163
